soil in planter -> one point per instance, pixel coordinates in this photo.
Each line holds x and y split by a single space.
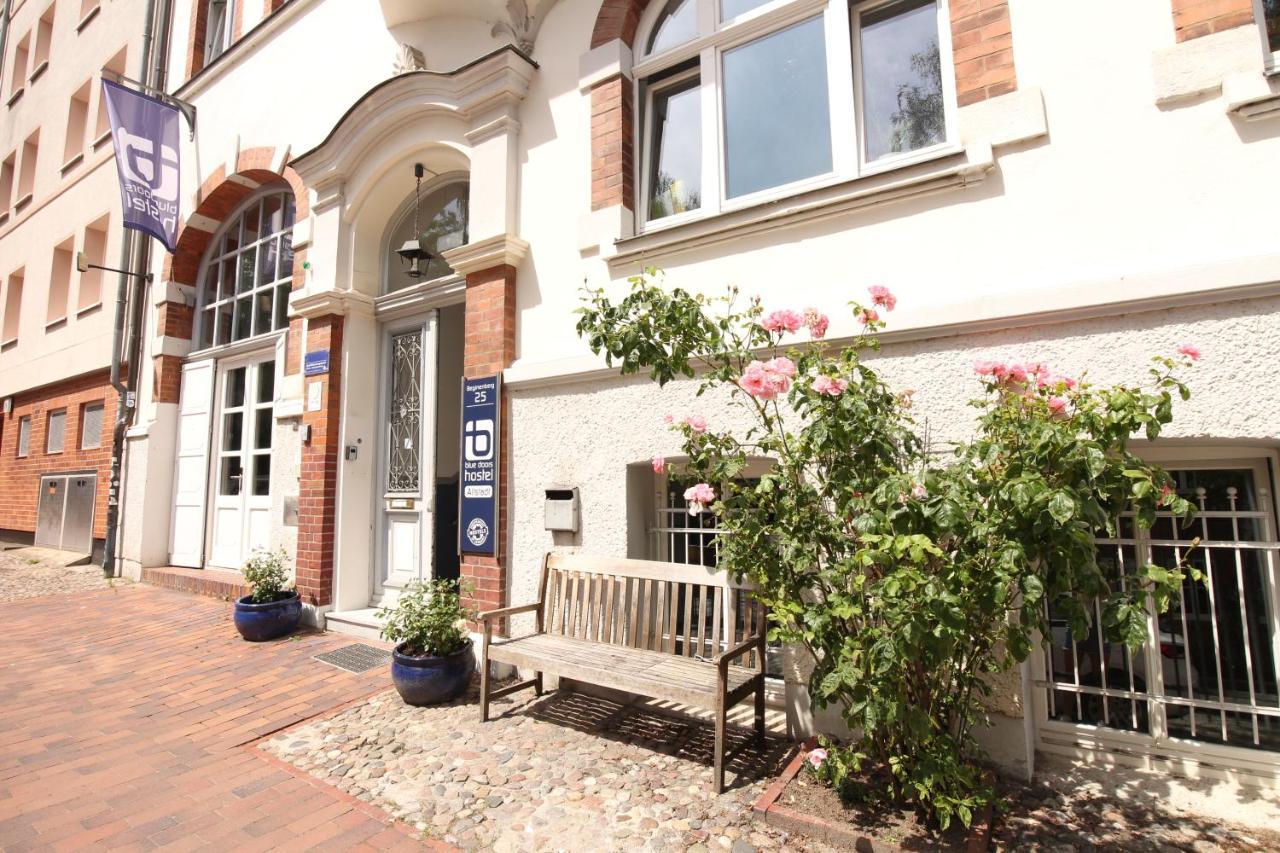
881 822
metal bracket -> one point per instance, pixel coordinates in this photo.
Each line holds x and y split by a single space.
187 109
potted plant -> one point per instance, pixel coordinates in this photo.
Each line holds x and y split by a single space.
432 661
272 610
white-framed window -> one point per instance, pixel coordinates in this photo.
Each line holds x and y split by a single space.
55 433
24 436
746 100
91 426
217 28
1267 14
246 279
1206 685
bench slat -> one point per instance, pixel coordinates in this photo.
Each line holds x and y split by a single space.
673 572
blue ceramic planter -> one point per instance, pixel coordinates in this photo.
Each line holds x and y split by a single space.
268 620
428 680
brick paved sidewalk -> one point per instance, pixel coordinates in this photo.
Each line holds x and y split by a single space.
128 719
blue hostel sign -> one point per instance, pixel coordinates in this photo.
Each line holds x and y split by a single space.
478 503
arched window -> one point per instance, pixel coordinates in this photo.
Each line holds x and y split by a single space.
746 100
442 218
245 282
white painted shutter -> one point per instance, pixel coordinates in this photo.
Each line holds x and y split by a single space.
191 465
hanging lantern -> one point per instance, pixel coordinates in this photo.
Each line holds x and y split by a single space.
412 252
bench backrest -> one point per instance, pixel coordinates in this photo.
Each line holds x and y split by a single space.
676 608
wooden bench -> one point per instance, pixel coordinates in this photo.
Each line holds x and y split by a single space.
663 630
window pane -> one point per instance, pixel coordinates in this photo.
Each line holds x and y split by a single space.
224 322
233 431
266 381
676 25
262 430
777 128
267 261
902 79
244 315
206 327
282 306
228 286
730 9
24 436
675 172
250 232
246 270
235 388
262 312
271 214
1271 9
262 474
229 482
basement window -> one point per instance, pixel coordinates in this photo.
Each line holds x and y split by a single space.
55 431
24 436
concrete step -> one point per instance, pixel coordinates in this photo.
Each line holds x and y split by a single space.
214 583
362 623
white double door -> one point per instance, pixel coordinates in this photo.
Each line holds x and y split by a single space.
405 488
240 463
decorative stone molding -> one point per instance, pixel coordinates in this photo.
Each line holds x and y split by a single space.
501 250
408 58
338 303
1195 68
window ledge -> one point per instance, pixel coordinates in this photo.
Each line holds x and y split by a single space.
88 309
948 170
1252 97
103 137
16 96
4 216
22 202
75 160
38 72
9 344
55 324
84 22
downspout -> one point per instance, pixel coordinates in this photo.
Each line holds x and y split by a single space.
4 34
124 411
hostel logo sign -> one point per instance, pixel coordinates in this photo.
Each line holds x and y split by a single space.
478 503
145 132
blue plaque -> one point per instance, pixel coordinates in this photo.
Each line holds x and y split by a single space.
478 501
315 363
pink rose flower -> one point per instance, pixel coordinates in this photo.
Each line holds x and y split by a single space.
698 497
666 419
768 379
919 492
882 296
782 366
816 322
659 464
1057 406
986 368
867 316
1191 351
697 423
832 387
817 757
784 320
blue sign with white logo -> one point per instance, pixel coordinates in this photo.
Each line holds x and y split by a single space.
478 501
315 363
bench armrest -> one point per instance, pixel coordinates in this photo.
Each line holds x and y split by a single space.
722 660
489 615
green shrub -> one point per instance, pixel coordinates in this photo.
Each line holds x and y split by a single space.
428 618
266 572
912 576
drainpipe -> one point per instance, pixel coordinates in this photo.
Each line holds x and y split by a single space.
132 258
4 33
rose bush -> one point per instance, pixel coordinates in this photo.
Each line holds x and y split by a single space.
912 577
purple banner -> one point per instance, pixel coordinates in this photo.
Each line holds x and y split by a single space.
145 132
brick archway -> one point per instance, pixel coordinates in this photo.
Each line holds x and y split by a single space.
220 194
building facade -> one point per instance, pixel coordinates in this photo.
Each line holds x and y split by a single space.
1022 203
58 197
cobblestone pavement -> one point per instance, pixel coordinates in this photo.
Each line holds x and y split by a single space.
567 772
23 575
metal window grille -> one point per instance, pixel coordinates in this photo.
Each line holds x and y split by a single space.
91 426
405 417
1210 672
56 431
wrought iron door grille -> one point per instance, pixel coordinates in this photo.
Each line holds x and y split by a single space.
405 416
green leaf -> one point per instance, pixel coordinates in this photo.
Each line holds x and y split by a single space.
1062 507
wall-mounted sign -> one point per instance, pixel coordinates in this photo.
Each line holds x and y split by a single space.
315 363
145 132
478 485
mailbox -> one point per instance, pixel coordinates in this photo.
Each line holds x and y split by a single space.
562 510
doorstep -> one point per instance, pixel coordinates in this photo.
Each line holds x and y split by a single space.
214 583
363 623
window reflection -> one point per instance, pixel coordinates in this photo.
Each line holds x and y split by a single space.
902 79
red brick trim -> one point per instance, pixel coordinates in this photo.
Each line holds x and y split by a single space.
318 486
196 38
490 346
168 378
982 46
270 6
1195 18
982 42
20 476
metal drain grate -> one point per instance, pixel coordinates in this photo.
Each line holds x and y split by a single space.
356 657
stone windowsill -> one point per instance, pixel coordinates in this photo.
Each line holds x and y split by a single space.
22 202
102 137
89 16
16 96
76 160
38 72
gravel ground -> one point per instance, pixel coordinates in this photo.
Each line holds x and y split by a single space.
23 575
567 772
577 773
